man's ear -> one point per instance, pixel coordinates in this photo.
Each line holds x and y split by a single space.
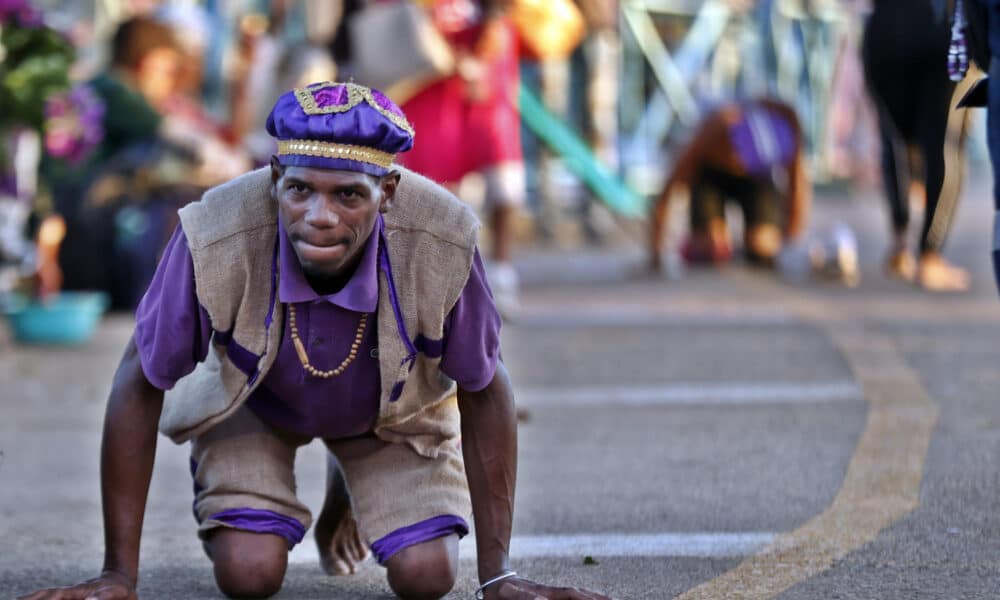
389 183
277 170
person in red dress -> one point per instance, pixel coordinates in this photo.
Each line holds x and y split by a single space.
469 122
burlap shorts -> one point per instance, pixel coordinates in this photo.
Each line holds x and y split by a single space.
244 468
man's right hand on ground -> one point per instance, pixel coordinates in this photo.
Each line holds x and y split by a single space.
127 452
110 585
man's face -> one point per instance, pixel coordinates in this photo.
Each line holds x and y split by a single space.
328 215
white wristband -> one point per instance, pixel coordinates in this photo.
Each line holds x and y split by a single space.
479 593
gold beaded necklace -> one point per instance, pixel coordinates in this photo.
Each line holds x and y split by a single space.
300 349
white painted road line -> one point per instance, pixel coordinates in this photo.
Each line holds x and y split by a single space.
640 544
607 545
625 315
692 394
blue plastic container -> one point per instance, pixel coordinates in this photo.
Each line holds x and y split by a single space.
66 318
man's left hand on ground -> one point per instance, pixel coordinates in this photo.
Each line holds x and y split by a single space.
517 588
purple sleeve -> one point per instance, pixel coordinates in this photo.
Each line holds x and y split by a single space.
472 334
172 329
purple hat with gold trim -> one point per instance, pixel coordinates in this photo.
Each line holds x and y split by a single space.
343 126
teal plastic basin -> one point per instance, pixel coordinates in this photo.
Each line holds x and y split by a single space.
66 318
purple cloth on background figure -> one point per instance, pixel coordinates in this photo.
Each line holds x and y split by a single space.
763 139
173 334
418 533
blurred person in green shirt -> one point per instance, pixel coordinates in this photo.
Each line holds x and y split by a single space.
120 198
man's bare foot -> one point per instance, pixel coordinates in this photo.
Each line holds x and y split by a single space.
901 265
938 275
341 548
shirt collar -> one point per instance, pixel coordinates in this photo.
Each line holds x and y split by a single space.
360 294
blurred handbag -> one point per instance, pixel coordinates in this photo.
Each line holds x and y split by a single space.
397 49
548 29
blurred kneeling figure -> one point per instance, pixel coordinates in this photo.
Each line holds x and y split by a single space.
751 153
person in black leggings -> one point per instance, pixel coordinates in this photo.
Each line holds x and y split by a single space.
905 52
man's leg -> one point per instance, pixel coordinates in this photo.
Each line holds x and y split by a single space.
501 223
762 237
412 510
763 242
504 198
424 571
245 503
247 565
708 240
896 181
942 135
993 136
341 548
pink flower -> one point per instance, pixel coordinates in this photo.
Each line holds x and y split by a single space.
59 142
74 124
20 12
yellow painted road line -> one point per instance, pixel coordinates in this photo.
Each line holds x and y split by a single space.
882 483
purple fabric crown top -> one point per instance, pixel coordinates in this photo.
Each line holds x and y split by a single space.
339 113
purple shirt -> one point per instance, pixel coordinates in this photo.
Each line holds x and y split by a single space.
763 138
173 333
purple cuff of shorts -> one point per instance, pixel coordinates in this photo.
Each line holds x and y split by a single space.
424 531
262 521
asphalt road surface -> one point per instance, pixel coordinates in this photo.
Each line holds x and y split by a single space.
717 435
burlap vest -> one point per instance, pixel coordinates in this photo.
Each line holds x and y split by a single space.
425 259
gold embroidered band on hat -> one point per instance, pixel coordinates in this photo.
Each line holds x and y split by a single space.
331 150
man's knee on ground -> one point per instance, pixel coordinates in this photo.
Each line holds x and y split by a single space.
425 571
764 240
248 565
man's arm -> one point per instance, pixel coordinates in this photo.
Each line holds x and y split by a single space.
799 182
799 196
127 452
679 180
708 145
489 447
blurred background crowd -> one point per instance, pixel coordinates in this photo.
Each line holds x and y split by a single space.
562 122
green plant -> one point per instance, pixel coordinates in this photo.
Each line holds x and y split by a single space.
34 65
